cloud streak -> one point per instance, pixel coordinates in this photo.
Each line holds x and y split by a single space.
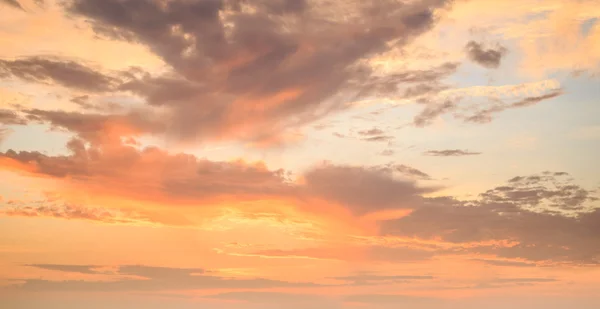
451 153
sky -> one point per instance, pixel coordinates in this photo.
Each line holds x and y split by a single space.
302 154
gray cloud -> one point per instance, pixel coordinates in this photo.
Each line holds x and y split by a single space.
154 279
388 299
13 3
553 190
450 153
489 58
10 117
362 190
224 75
472 110
410 171
432 111
371 252
374 135
381 138
86 103
184 176
541 233
94 127
506 263
81 269
484 115
272 298
369 279
523 280
73 212
59 71
117 168
371 132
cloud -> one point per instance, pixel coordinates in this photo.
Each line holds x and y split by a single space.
269 297
68 211
13 3
371 132
10 117
410 171
485 115
151 279
479 104
381 138
489 58
386 299
66 73
98 127
85 102
241 75
524 280
505 263
151 173
368 279
450 153
80 269
553 190
555 223
507 282
362 190
432 111
114 168
354 252
409 83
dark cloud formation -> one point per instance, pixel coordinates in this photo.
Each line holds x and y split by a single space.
122 169
242 68
487 57
13 3
96 127
542 218
149 279
10 117
59 71
450 153
115 168
554 190
85 102
362 190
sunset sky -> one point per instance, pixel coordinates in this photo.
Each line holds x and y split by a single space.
301 154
